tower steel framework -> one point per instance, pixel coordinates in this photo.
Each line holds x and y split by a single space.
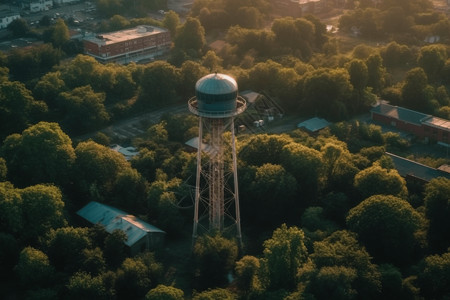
216 205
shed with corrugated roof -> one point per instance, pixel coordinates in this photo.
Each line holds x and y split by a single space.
141 236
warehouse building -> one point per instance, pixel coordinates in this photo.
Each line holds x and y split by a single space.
124 46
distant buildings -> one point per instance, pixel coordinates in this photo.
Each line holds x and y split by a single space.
128 45
6 17
423 126
37 5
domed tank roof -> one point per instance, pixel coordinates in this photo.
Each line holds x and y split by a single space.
216 84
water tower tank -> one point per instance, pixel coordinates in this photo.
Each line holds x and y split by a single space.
216 93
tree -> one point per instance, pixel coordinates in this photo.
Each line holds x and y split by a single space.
376 72
3 169
273 190
284 253
19 27
263 148
191 37
215 294
136 276
171 21
388 227
414 91
43 210
97 169
65 247
9 254
18 108
48 88
11 219
342 250
377 180
191 71
247 269
114 248
60 34
158 85
85 286
433 278
305 164
43 153
79 71
34 269
325 91
214 257
93 261
164 292
211 61
432 60
84 109
437 209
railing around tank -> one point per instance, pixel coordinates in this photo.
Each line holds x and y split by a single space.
241 105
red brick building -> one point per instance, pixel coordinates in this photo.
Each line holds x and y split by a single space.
423 126
128 45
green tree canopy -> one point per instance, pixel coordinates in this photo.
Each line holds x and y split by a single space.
65 247
84 109
388 227
164 292
437 209
325 92
60 34
214 257
191 37
433 277
34 269
263 148
342 250
377 180
85 286
18 108
43 153
43 210
414 91
284 253
97 169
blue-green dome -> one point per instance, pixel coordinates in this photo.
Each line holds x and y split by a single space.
216 93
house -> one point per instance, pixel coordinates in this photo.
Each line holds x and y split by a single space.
124 46
313 125
423 126
37 5
415 172
141 236
128 152
6 17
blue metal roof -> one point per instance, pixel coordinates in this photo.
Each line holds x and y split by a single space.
112 218
400 113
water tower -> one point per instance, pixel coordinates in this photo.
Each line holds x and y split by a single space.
216 104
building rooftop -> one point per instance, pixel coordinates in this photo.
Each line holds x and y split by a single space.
400 113
438 122
406 167
112 218
125 35
314 124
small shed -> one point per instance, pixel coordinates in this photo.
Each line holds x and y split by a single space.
141 236
313 125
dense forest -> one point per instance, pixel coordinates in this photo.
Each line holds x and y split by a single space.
323 217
